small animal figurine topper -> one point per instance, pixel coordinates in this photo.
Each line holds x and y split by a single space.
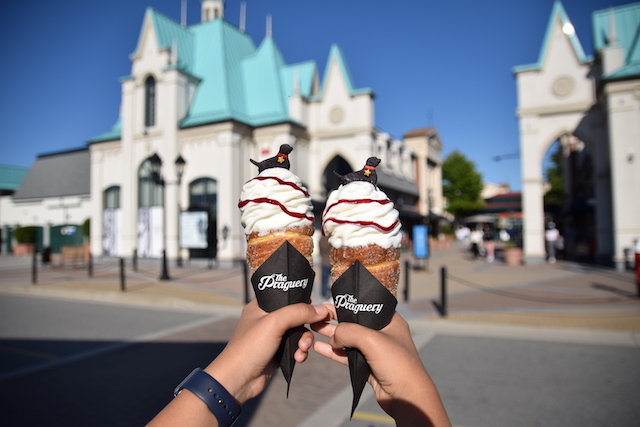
367 173
281 160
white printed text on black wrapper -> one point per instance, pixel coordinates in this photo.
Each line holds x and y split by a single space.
350 302
280 281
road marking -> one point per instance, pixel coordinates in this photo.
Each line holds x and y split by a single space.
369 416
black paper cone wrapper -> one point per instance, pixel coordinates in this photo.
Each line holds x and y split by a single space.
284 278
360 298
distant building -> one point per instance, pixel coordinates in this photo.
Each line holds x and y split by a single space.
54 196
10 178
591 106
204 93
427 149
490 189
207 96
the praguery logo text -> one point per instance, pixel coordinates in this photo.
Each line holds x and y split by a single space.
350 302
280 281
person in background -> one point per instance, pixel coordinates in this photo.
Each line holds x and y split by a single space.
551 237
475 238
489 242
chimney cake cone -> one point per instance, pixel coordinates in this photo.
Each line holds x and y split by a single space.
275 207
362 224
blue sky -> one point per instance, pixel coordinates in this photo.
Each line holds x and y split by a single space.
447 64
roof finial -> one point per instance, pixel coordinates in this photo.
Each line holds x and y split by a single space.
613 35
183 13
269 25
243 16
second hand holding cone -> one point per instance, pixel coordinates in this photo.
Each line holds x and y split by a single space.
363 228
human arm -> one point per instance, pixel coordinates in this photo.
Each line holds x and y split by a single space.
246 364
401 384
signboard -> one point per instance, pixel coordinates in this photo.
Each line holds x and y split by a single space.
193 230
150 228
420 241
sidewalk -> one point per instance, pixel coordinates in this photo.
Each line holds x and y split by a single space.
564 294
561 295
521 309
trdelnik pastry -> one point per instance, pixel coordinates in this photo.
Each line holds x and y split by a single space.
362 224
276 207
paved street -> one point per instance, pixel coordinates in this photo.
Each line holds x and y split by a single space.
529 345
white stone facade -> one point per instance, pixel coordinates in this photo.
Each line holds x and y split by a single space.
335 122
575 99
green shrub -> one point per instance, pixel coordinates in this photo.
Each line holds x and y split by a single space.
86 228
25 234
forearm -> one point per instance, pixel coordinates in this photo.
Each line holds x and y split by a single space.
189 409
185 409
421 407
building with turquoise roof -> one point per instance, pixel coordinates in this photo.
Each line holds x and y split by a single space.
207 94
591 106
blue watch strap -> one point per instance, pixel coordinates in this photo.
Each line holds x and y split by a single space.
221 404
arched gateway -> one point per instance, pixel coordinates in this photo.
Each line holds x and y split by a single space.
585 104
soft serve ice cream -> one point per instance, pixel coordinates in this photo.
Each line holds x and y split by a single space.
362 224
275 207
274 200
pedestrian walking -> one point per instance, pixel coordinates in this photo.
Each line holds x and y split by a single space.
551 237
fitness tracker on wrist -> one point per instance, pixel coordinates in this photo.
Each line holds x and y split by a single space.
221 404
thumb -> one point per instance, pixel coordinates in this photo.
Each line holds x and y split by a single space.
299 314
351 335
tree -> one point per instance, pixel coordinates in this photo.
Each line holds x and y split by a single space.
86 228
462 184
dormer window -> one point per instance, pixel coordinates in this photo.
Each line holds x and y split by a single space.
150 102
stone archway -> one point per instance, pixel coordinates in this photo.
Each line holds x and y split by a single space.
556 100
329 179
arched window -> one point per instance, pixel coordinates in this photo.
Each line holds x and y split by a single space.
149 193
112 198
203 193
150 102
111 221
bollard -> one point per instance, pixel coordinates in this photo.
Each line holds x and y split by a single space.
245 267
407 272
123 286
443 291
90 265
135 260
637 259
34 267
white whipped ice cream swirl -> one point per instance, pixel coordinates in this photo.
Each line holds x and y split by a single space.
360 214
274 200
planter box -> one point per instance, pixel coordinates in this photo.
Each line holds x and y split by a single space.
23 249
73 255
513 256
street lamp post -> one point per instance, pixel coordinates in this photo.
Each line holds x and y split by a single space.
180 163
156 166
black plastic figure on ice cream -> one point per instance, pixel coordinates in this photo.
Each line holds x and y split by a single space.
281 160
367 173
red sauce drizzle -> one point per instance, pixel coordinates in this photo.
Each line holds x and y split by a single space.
361 223
243 203
358 201
290 184
364 224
